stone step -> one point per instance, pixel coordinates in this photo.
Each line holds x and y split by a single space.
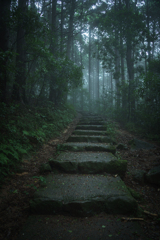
89 132
91 119
82 195
81 147
89 162
92 122
91 139
91 127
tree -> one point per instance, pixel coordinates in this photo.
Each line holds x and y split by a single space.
18 93
4 46
52 93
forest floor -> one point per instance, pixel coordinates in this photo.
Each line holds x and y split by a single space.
18 190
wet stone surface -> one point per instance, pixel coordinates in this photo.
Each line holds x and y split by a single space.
83 195
78 147
92 122
89 132
91 139
91 127
89 162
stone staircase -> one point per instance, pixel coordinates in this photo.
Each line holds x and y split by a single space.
89 177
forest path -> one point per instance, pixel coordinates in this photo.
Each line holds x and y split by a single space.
87 183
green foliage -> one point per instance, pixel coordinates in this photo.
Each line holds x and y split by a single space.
41 178
111 130
44 70
24 129
148 109
130 126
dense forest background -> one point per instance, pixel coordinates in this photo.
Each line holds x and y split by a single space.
98 56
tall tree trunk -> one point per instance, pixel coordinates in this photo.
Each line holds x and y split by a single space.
81 59
33 6
103 90
148 28
52 91
117 63
153 48
89 68
62 23
70 33
97 77
124 100
130 68
111 90
4 40
18 93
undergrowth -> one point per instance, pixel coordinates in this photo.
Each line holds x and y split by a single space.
24 128
111 129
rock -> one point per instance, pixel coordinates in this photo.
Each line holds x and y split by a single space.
89 162
139 176
89 132
121 146
92 122
135 194
153 176
91 127
80 147
82 195
45 167
138 144
91 139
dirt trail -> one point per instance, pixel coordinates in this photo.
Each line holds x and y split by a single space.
15 206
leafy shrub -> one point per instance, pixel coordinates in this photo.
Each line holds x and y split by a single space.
23 129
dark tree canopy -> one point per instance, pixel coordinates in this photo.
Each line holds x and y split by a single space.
98 55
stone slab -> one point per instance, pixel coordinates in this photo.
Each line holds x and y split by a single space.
139 144
90 132
92 118
91 139
89 162
80 147
153 176
92 122
83 195
91 127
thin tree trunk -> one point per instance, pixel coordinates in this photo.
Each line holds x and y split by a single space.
81 59
4 40
97 80
124 100
148 28
20 78
62 22
52 91
111 90
130 67
70 33
131 98
89 69
153 48
117 62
